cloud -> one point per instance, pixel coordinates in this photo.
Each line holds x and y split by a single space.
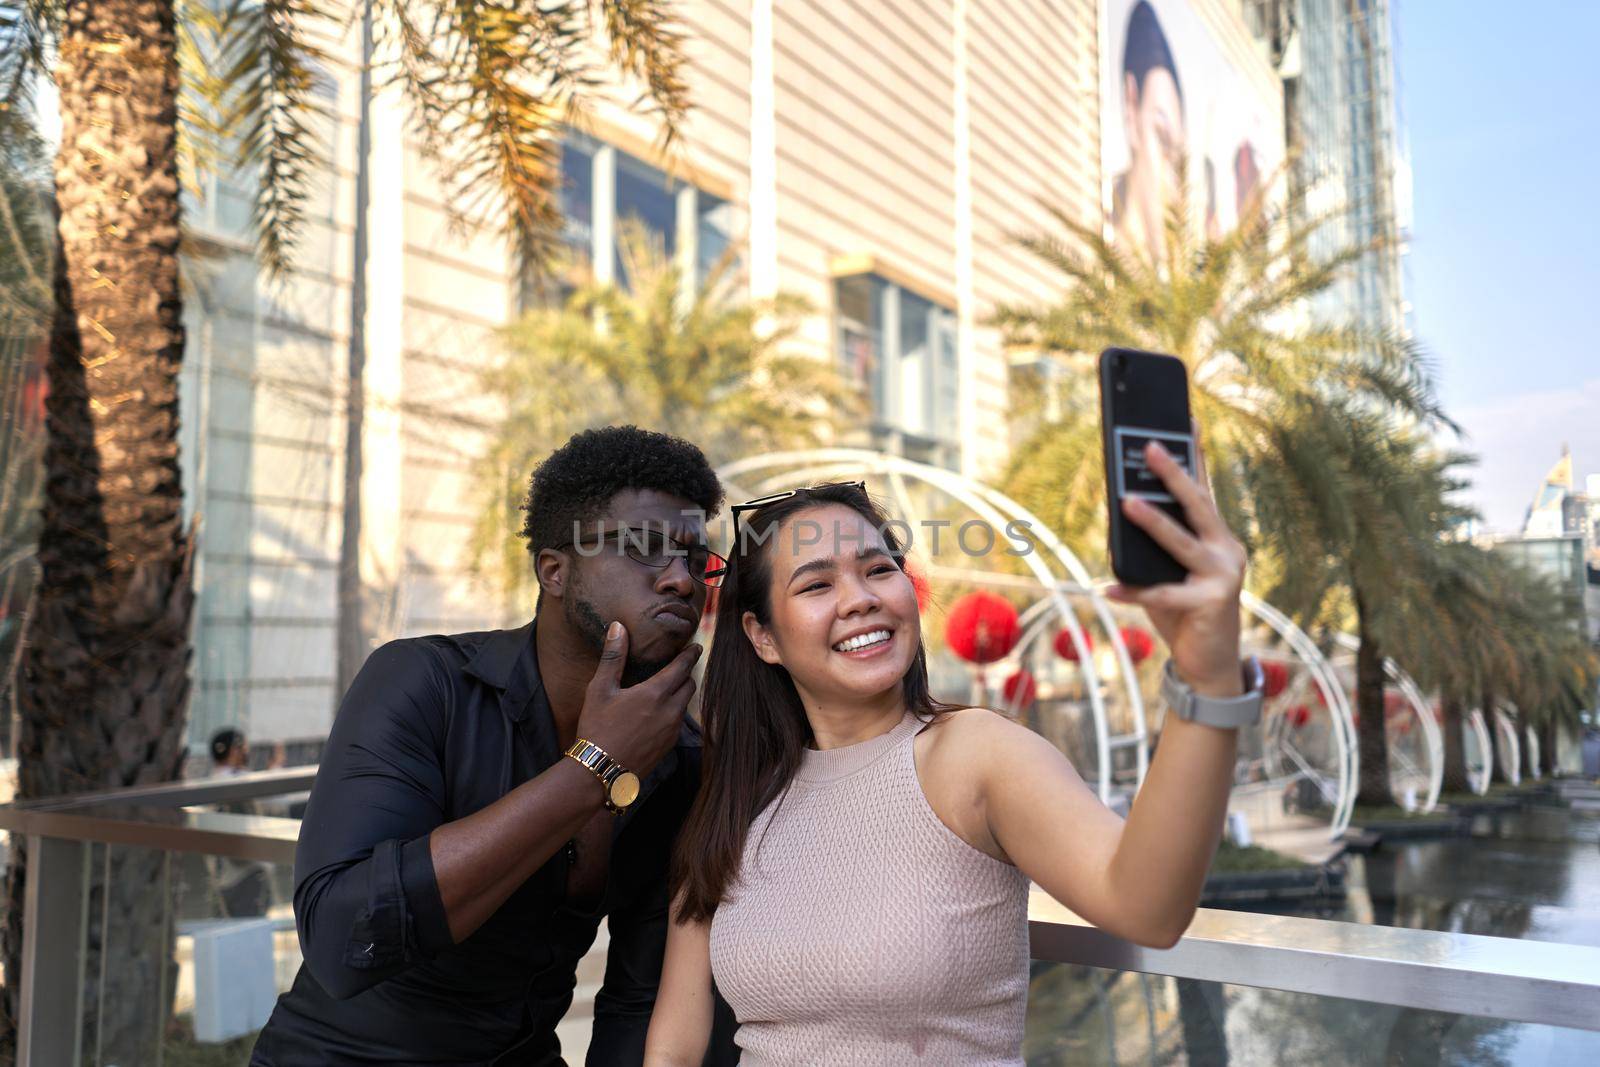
1519 437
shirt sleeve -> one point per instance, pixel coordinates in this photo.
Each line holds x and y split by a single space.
366 902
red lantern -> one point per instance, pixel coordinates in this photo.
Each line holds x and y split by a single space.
1066 649
982 627
1138 642
918 583
1020 688
1275 676
1394 703
1299 715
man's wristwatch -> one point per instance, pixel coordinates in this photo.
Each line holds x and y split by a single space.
1226 713
621 786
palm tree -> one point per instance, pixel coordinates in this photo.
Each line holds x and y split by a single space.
104 684
1233 308
1454 642
695 361
1354 540
1549 676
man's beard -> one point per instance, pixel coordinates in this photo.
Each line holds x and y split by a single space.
582 616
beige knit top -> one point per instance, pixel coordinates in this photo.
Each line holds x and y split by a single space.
862 930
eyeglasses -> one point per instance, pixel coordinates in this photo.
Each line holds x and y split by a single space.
763 501
654 548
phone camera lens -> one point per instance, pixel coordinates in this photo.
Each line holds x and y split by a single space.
1122 387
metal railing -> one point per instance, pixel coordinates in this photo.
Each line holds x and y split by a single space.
60 832
1485 977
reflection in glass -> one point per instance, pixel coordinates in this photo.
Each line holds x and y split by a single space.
648 196
713 232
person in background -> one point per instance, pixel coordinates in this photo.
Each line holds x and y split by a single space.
243 887
230 753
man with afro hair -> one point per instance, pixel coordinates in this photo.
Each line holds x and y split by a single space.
485 799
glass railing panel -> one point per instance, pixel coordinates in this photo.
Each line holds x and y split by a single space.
187 954
1087 1015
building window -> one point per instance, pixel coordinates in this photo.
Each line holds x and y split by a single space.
602 186
577 198
899 349
648 197
713 232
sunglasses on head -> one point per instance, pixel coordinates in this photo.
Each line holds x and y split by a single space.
760 502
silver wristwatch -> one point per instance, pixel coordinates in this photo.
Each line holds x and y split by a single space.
1228 712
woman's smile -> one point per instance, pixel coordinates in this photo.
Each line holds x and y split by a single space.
865 644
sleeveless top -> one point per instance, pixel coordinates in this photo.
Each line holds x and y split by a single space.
862 930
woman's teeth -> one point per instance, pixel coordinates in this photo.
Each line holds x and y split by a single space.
876 637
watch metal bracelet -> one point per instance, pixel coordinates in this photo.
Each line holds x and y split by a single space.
599 763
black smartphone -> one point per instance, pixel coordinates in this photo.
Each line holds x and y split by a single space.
1144 397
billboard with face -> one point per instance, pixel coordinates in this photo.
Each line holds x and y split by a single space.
1176 109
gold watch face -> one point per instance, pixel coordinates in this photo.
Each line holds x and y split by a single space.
625 790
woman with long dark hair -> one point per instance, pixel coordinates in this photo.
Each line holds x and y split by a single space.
854 873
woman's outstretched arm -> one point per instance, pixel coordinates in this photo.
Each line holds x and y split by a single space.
680 1026
1140 879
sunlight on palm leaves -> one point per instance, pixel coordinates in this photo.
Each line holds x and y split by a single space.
711 368
491 84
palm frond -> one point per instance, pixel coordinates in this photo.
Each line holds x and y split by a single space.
493 83
257 75
645 43
26 32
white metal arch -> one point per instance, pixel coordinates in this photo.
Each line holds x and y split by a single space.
1507 750
997 510
1327 682
1478 751
759 475
1432 736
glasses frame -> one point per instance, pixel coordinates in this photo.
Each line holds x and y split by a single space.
710 579
765 501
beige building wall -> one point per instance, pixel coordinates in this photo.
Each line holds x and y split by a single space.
914 139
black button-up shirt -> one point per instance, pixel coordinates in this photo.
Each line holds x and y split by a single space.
432 730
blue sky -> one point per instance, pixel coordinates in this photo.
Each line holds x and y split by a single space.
1502 107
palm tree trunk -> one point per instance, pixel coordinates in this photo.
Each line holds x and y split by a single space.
1550 747
1374 790
1456 779
104 684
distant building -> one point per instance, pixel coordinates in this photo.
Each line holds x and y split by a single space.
1561 539
1345 131
1555 510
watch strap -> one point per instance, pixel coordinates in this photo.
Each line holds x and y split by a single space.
1222 712
601 765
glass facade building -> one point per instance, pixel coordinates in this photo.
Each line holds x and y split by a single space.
1346 139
